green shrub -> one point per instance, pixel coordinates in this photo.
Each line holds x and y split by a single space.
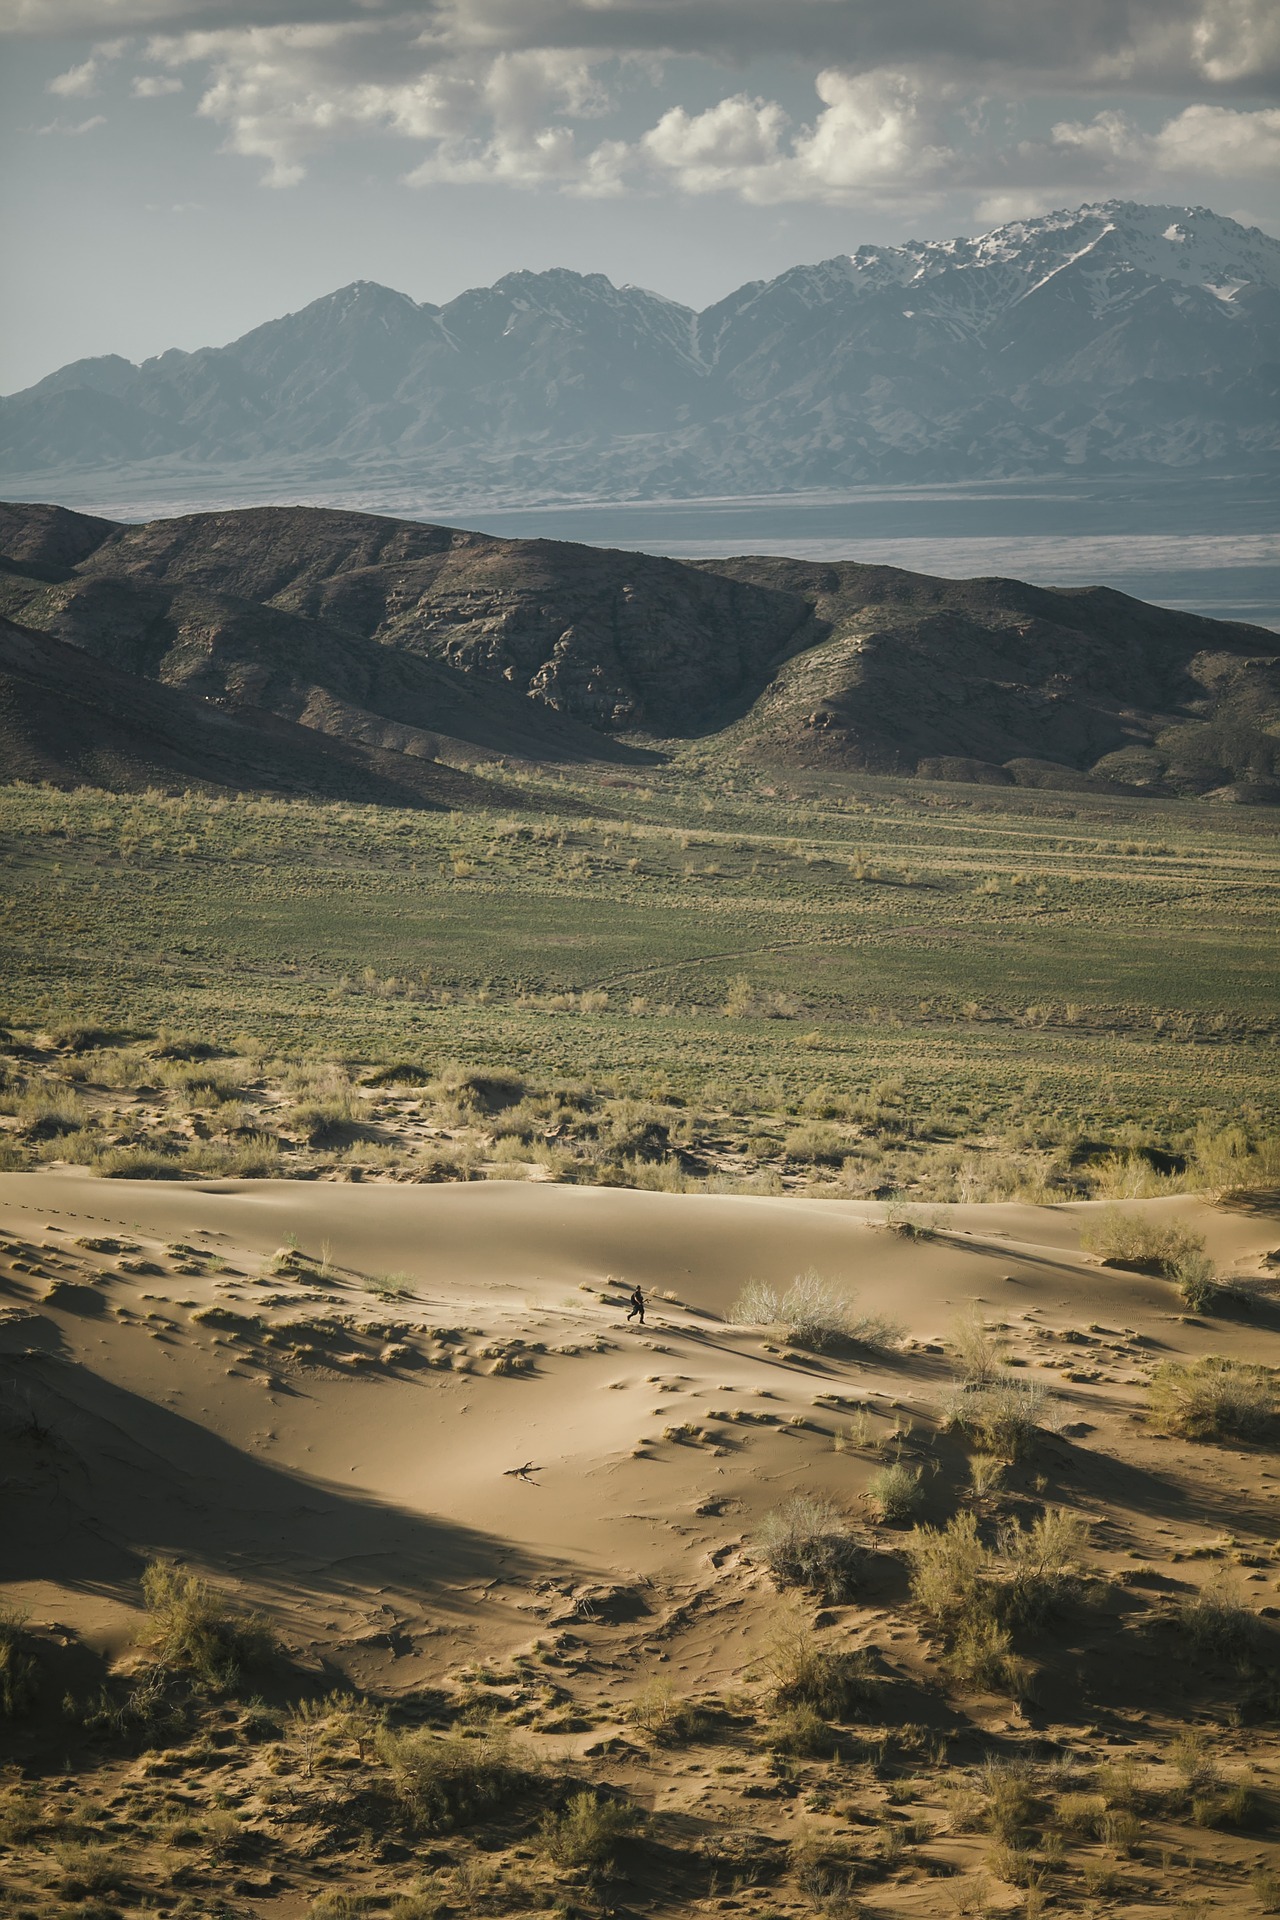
19 1675
836 1682
1134 1240
807 1543
664 1717
1266 1890
980 1654
1217 1622
979 1348
825 1869
589 1832
896 1490
194 1631
1039 1563
1196 1279
1003 1417
801 1733
444 1781
947 1567
1212 1398
1011 1803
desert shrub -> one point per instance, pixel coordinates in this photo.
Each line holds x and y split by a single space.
589 1832
947 1566
448 1780
1196 1278
402 1074
815 1145
1230 1806
1266 1890
837 1683
979 1348
48 1116
980 1654
1003 1416
668 1720
986 1470
1039 1563
801 1733
1212 1398
1216 1621
390 1286
325 1123
337 1905
19 1675
807 1543
1011 1804
195 1631
1079 1814
896 1490
824 1868
1133 1240
812 1313
1016 1866
88 1867
490 1089
72 1036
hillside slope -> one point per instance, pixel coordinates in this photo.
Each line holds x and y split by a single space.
430 643
1117 337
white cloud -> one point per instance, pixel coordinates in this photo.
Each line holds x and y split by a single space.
79 82
1222 143
153 86
73 129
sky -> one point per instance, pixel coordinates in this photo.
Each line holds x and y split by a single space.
178 171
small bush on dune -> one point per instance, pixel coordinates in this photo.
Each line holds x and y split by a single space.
801 1733
807 1543
446 1780
1039 1563
1213 1398
589 1833
947 1568
979 1348
195 1631
981 1655
1003 1416
837 1683
1217 1622
812 1313
1134 1240
896 1490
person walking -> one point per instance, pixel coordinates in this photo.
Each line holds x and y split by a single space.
636 1309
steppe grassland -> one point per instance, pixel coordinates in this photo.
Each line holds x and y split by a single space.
1044 979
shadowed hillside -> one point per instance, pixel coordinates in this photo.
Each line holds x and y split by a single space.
425 643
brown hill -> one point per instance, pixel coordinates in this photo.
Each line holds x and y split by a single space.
74 721
435 642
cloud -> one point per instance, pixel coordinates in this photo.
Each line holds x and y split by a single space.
1152 46
153 86
1219 142
73 129
872 139
78 82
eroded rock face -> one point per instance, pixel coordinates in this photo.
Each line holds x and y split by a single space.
406 645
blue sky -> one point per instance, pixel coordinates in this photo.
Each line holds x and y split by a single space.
179 170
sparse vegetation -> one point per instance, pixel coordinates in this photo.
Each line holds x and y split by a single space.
1003 1416
589 1833
443 1781
896 1490
195 1631
813 1313
808 1543
1213 1398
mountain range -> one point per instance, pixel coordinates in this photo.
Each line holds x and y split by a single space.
305 650
1114 338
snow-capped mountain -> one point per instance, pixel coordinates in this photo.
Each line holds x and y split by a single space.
1112 338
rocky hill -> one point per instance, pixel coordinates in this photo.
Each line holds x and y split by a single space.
416 650
1114 338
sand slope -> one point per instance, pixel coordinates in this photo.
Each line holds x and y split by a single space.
345 1488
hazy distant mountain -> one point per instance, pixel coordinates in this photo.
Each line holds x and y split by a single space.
394 646
1115 338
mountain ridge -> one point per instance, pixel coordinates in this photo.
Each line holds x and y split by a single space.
440 647
1110 338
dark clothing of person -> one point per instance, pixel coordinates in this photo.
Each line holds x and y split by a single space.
637 1307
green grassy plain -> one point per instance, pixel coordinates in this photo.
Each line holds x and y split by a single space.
729 940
